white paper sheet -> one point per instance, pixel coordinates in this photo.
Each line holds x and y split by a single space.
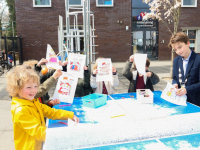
140 62
65 88
104 70
169 94
53 61
76 63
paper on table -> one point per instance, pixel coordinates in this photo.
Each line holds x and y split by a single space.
140 62
169 94
71 123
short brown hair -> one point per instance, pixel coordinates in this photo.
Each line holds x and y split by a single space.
178 37
17 78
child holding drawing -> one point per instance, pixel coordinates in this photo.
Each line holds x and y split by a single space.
103 87
138 81
27 112
50 77
83 87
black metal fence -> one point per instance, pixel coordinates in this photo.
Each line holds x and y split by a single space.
13 45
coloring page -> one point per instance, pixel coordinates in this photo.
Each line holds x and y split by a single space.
76 63
53 61
169 94
65 88
104 70
140 63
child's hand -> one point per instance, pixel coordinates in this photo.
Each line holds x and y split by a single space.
57 73
114 70
131 59
95 71
181 92
176 86
149 74
76 119
85 68
60 63
65 63
42 61
54 102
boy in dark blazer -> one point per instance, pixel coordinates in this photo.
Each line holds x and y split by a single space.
186 68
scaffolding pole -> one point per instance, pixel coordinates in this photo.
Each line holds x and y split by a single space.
73 35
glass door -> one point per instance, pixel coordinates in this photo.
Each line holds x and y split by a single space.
150 44
145 42
138 44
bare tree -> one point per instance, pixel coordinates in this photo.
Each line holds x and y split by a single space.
164 11
4 16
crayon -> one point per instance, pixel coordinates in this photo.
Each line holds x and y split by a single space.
63 123
65 105
118 116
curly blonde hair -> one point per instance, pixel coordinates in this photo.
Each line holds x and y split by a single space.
18 77
30 63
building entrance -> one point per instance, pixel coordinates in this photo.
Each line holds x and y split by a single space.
145 38
144 32
145 42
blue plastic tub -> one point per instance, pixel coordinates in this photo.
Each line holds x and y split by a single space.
94 100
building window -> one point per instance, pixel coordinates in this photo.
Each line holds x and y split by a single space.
41 3
104 3
189 3
75 3
192 37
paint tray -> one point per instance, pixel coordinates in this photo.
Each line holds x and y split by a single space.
94 100
144 96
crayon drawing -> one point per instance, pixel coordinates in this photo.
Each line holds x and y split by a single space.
76 63
52 58
169 94
75 66
104 70
65 88
53 61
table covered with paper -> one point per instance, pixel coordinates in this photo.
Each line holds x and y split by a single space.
122 121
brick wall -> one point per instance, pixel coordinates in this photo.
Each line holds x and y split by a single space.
189 18
113 39
39 27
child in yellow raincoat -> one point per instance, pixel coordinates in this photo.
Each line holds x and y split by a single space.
27 112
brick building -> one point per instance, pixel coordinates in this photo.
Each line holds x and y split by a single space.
120 31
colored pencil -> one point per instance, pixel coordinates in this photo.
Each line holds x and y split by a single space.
63 123
65 105
118 116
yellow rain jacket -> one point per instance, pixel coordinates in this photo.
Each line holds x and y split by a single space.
28 122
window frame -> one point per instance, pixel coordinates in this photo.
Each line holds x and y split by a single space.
42 5
97 5
195 40
77 5
195 5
